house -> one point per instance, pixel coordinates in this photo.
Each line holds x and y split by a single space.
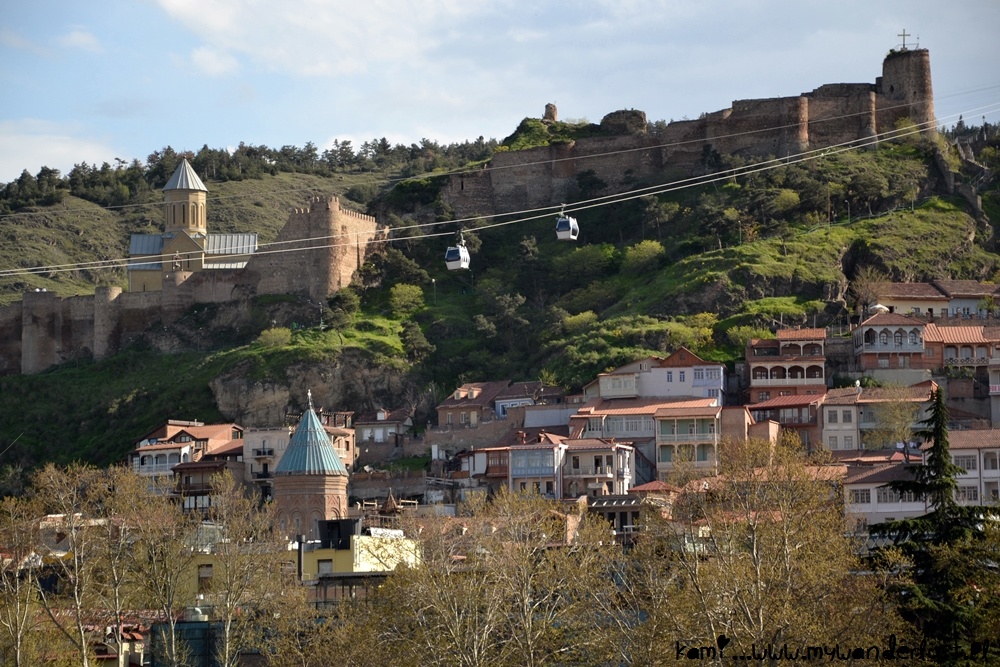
185 245
939 298
891 341
524 394
792 364
798 413
687 435
597 467
978 454
382 425
193 480
176 441
852 418
682 374
470 404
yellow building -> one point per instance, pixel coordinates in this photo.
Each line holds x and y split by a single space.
185 247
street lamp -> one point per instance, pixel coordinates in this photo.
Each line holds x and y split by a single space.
434 286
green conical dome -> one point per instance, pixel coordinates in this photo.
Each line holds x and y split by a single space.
310 451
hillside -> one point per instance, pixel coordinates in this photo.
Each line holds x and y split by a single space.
685 267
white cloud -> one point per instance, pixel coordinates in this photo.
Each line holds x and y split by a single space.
212 62
81 39
12 40
33 144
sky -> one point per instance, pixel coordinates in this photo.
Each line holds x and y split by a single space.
99 80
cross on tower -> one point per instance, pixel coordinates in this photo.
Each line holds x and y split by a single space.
904 35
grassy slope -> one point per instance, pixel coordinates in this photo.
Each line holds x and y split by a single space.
79 231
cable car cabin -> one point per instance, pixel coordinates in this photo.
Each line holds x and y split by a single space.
567 229
457 257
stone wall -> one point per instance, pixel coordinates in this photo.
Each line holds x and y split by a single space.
337 239
44 330
831 115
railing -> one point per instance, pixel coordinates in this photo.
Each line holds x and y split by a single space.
687 437
891 347
537 471
624 473
151 468
959 361
696 464
261 453
590 471
785 382
262 475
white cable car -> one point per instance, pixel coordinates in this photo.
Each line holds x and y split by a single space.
457 256
567 228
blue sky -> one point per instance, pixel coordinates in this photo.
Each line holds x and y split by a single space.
98 80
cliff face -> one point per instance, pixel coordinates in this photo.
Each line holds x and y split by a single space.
351 379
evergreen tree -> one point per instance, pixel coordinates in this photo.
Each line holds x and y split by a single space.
946 549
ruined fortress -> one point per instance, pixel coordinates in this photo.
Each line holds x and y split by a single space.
832 114
316 253
44 329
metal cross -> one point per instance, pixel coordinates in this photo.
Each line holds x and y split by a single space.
904 35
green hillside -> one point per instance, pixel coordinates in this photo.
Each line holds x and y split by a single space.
699 267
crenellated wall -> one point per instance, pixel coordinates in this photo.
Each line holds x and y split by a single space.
336 239
831 115
44 329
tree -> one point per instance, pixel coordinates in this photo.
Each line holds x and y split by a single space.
246 566
946 549
865 287
895 413
642 258
71 549
163 561
404 300
18 606
760 555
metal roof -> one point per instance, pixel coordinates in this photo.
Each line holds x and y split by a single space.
145 244
185 178
310 451
231 244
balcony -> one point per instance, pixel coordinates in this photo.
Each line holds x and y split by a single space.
154 468
966 361
786 382
590 471
904 348
536 471
261 475
707 437
267 452
624 473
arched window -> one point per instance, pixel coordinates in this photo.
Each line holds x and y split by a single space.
913 338
883 338
897 338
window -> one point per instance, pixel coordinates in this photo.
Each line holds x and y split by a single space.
713 374
833 442
666 454
576 463
615 425
887 495
670 376
633 424
831 416
965 461
897 339
680 376
913 338
549 488
325 566
763 396
883 338
447 419
846 416
699 374
967 493
861 496
462 418
713 393
204 578
848 442
704 453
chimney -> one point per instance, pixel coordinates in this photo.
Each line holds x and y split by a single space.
522 438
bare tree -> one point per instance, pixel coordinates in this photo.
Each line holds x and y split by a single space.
246 566
163 560
866 285
18 569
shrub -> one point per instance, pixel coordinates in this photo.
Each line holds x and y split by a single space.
643 257
276 337
405 299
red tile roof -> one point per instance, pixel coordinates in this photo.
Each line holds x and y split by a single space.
787 402
891 320
969 334
986 439
801 334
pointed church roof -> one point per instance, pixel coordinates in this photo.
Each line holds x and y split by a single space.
185 178
310 451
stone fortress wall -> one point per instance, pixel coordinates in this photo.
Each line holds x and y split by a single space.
830 115
44 329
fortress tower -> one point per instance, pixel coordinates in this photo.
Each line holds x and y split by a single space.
184 195
904 89
329 243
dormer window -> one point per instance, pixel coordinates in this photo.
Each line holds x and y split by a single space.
381 415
